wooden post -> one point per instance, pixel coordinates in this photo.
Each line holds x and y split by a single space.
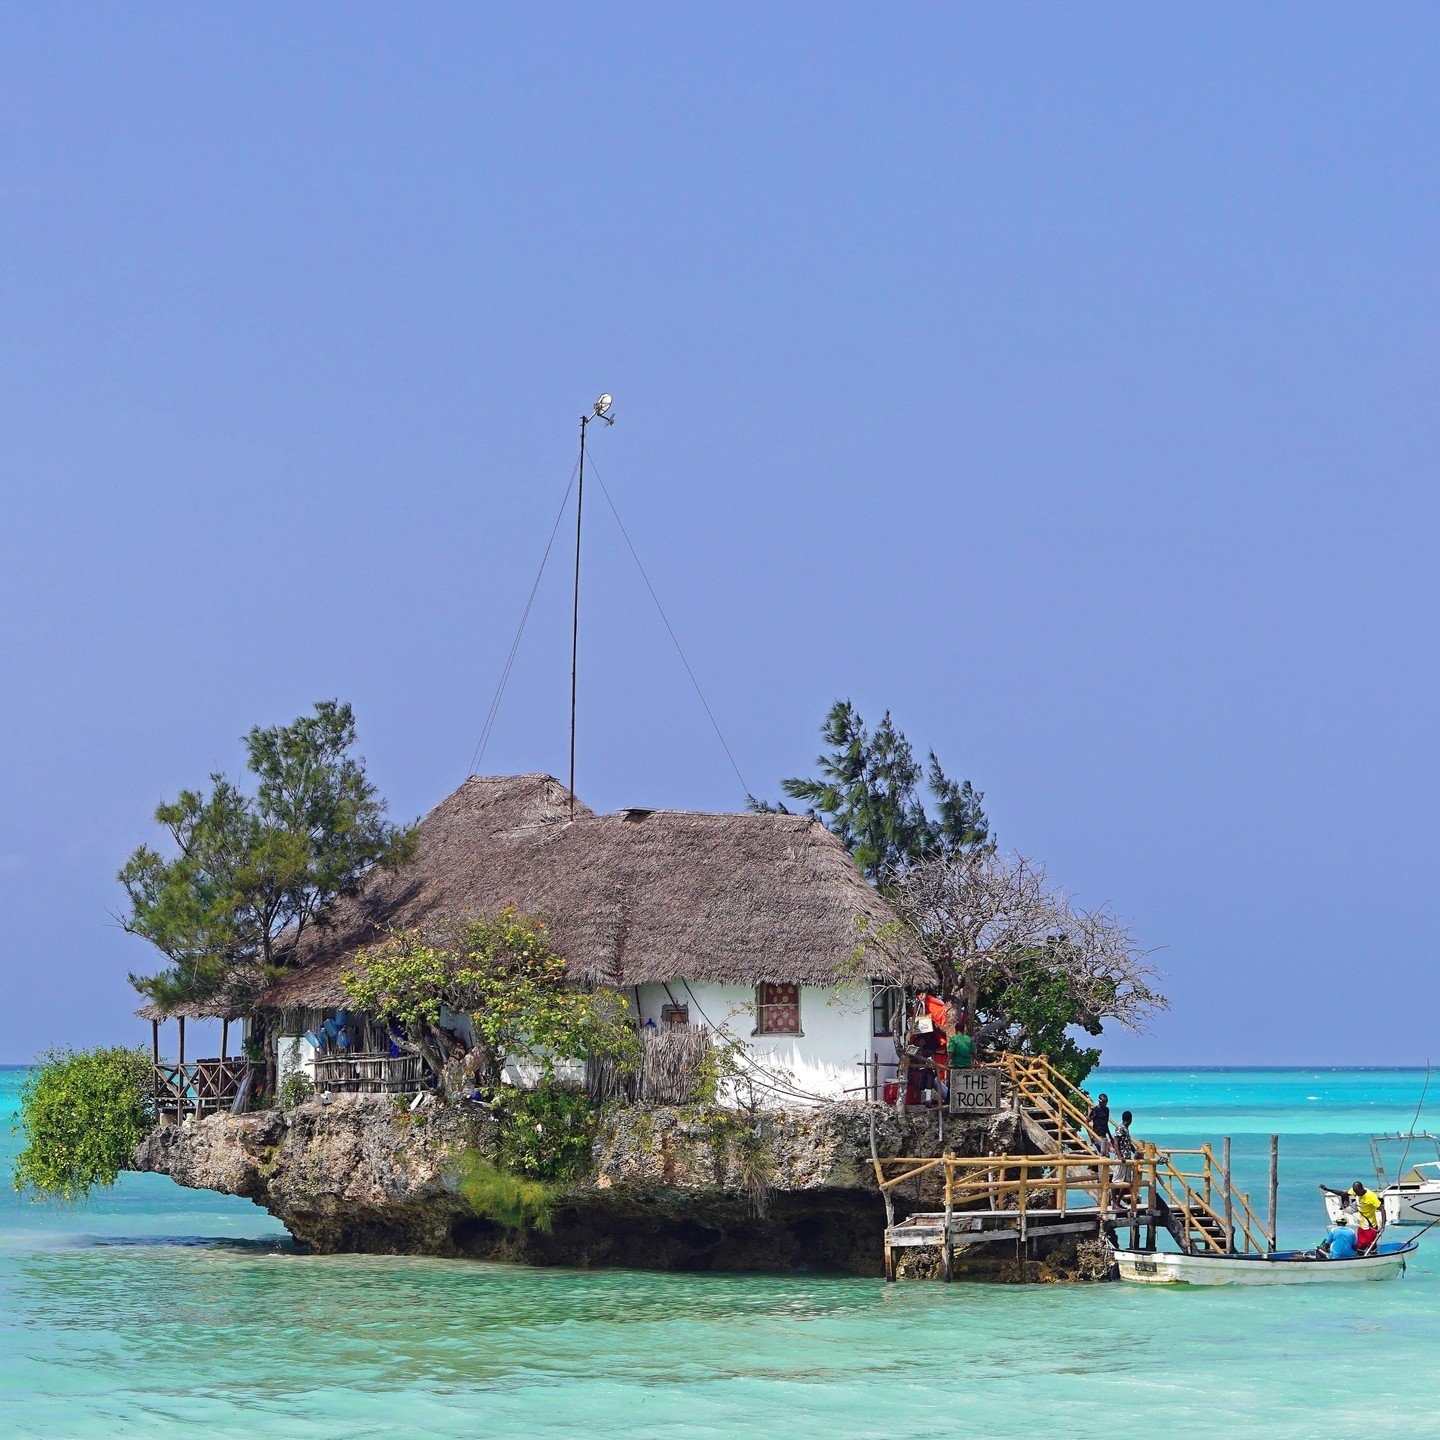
880 1180
1229 1197
1274 1187
182 1039
949 1211
1154 1197
155 1066
1024 1176
224 1040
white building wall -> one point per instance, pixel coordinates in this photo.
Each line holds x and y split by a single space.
294 1053
823 1062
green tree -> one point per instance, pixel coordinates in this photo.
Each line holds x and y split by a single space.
82 1113
192 907
1036 1010
502 972
1030 964
1031 969
870 792
248 868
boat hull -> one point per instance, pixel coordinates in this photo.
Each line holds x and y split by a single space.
1288 1267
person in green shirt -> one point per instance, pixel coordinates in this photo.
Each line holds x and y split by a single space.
961 1051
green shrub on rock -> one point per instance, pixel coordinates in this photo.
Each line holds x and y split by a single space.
297 1089
545 1133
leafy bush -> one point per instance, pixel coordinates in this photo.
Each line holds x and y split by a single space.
297 1089
504 973
546 1133
510 1200
82 1114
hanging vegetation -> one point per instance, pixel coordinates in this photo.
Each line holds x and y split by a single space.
82 1113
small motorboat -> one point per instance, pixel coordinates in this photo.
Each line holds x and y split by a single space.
1413 1198
1280 1267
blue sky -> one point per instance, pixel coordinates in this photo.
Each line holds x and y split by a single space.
1059 377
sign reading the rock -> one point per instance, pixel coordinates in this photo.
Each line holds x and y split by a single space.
974 1092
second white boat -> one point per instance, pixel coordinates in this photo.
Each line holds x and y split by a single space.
1413 1198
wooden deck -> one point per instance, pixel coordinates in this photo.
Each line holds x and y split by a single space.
1022 1199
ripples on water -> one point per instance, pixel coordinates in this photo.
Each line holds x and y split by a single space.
160 1312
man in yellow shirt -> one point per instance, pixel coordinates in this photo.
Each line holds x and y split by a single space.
1367 1202
1367 1208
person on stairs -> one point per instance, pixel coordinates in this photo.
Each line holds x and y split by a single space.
1098 1124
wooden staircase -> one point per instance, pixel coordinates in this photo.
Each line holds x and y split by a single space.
1201 1207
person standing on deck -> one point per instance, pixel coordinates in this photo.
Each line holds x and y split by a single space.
1098 1123
1122 1145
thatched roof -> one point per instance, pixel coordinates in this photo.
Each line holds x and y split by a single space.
642 895
218 1007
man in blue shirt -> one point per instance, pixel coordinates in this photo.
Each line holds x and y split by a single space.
1341 1241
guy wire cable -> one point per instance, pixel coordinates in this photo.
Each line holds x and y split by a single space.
492 713
1405 1153
670 630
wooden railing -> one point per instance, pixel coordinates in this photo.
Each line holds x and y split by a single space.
201 1087
368 1074
1055 1186
1048 1097
1214 1215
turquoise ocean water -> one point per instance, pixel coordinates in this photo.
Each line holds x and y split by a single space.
156 1311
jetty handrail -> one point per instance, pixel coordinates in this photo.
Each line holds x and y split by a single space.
1204 1210
1036 1080
1214 1214
1011 1183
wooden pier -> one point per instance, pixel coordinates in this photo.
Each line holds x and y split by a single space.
1020 1199
1065 1188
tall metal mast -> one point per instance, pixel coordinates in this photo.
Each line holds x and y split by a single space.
599 411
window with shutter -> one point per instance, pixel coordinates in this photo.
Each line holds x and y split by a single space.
777 1009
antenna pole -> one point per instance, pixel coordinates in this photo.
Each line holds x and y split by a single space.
575 617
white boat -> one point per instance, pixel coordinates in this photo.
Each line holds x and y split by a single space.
1413 1198
1283 1267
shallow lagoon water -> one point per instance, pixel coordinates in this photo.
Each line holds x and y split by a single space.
156 1311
